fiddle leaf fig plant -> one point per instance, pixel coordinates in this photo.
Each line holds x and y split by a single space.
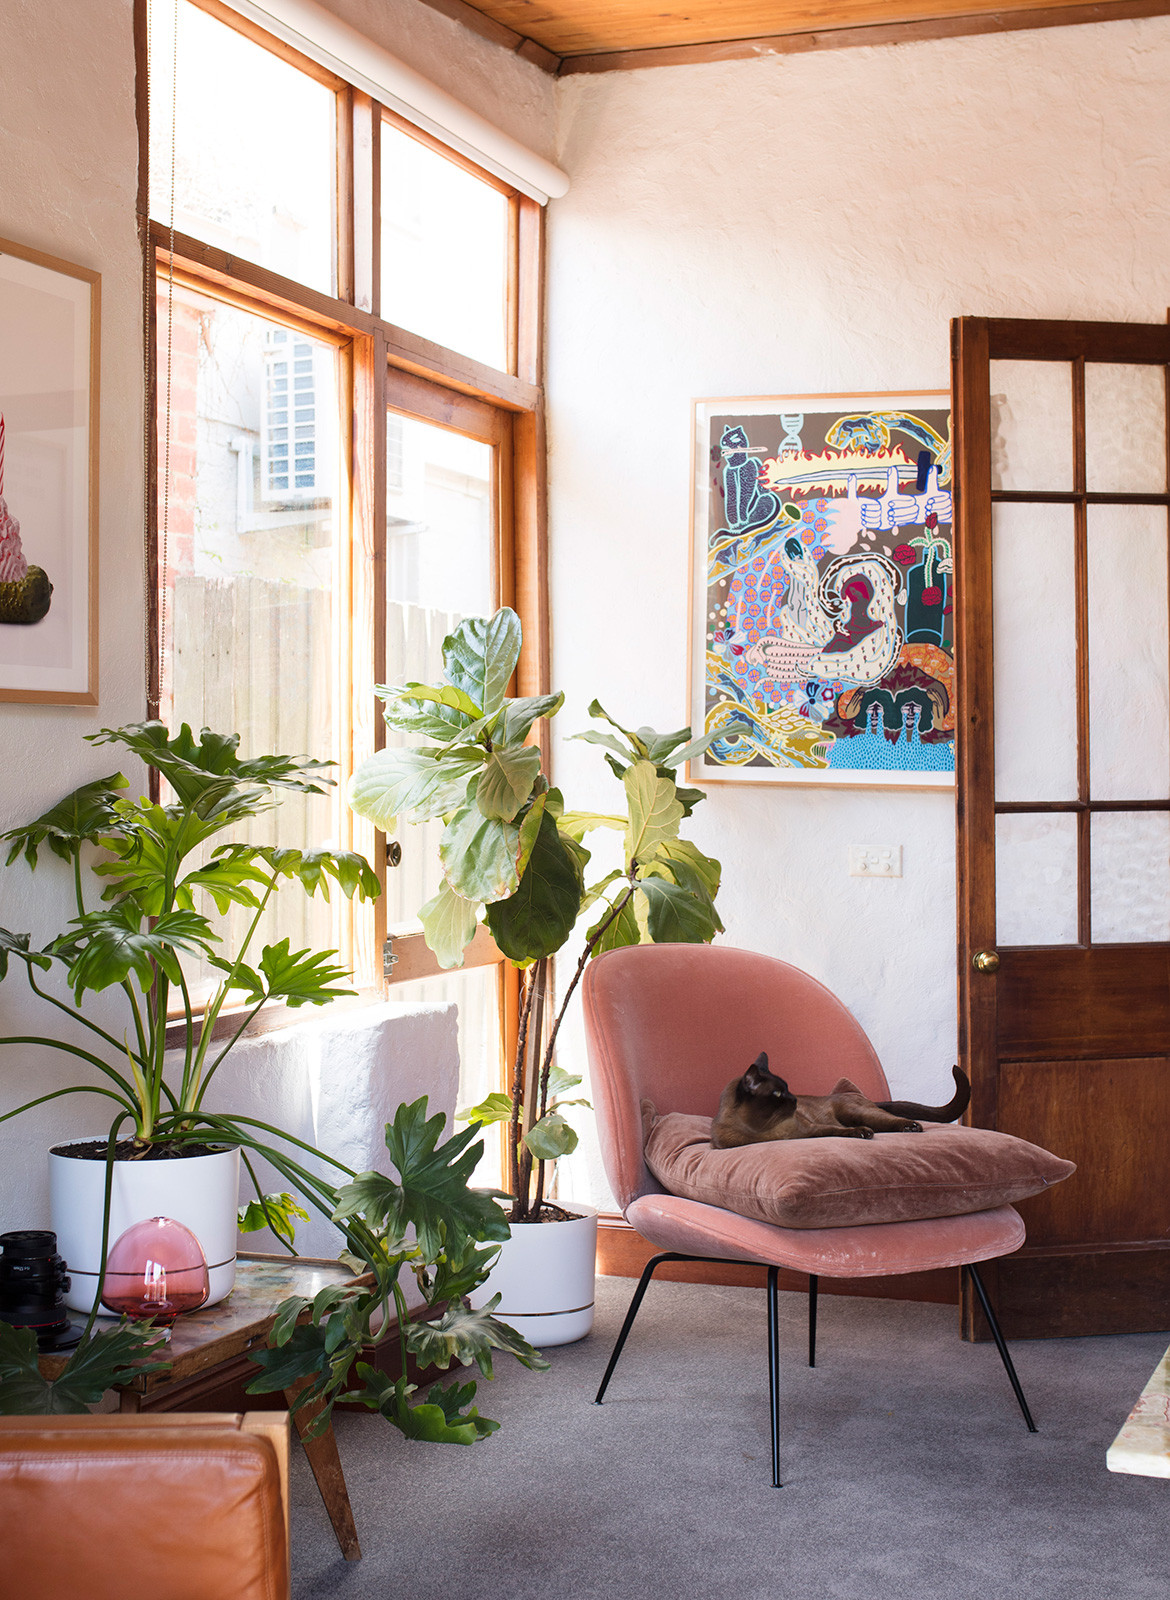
514 857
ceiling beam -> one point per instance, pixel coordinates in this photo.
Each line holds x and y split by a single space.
1008 21
477 22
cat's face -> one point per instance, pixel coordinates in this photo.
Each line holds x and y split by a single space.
761 1084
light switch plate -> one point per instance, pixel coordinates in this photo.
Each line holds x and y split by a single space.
875 861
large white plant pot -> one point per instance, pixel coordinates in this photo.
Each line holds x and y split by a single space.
545 1278
201 1192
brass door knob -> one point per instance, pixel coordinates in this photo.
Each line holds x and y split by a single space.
985 961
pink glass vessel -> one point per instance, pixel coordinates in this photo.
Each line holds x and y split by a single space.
156 1269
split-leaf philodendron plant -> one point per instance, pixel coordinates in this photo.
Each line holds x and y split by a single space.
512 854
154 861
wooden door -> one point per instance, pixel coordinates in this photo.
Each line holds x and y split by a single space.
1064 801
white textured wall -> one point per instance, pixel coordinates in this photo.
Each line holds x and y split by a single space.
809 224
68 171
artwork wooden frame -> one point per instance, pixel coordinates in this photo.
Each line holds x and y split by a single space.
50 332
821 641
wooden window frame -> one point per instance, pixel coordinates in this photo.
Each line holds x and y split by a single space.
379 359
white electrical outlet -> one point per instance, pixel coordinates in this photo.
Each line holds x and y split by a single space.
875 861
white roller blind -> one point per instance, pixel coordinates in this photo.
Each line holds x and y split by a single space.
324 38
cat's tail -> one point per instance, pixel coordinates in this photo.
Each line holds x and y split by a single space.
948 1113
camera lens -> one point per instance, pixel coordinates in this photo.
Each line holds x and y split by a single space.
33 1282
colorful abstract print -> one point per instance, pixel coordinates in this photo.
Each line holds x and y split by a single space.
829 592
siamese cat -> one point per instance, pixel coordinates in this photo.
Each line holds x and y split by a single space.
759 1107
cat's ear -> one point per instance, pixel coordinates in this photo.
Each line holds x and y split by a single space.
757 1079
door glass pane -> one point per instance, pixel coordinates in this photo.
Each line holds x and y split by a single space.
1034 615
445 246
1031 425
250 526
1125 429
1036 879
440 522
254 146
1130 876
1129 654
476 992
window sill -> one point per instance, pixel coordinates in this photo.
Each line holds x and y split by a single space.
271 1018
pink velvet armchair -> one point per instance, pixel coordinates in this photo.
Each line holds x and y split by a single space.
672 1023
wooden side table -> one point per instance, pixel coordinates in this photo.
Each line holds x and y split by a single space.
210 1348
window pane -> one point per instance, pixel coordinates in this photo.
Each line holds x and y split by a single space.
1130 852
247 596
445 237
1129 692
1031 425
1125 429
439 535
254 146
1036 879
1034 613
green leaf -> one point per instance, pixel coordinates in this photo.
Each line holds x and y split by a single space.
592 736
17 944
113 1356
419 783
560 1082
407 711
479 854
676 916
300 977
299 1356
444 1417
226 880
458 1272
276 1211
464 1335
505 783
443 695
660 745
537 919
519 715
592 895
481 655
622 931
351 872
111 945
655 811
432 1191
550 1137
496 1108
578 823
81 816
449 922
207 773
691 751
529 832
596 709
690 867
689 798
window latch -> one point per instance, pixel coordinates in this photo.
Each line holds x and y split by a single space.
389 959
393 852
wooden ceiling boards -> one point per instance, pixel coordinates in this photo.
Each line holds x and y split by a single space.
567 36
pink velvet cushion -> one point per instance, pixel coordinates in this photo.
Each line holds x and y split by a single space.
945 1171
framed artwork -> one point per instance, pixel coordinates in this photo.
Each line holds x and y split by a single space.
822 638
49 331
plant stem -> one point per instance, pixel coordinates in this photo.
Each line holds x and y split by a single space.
57 1093
111 1146
75 1050
518 1088
69 1011
264 1205
546 1063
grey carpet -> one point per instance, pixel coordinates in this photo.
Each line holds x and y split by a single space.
908 1472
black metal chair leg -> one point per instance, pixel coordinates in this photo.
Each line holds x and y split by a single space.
1000 1345
813 1284
774 1373
635 1303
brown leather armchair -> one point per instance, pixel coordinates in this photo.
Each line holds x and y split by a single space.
176 1507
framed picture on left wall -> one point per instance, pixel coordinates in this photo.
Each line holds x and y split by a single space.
50 318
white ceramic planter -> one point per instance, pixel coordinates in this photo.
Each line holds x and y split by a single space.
201 1192
545 1277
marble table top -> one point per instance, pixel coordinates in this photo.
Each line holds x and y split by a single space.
1143 1445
